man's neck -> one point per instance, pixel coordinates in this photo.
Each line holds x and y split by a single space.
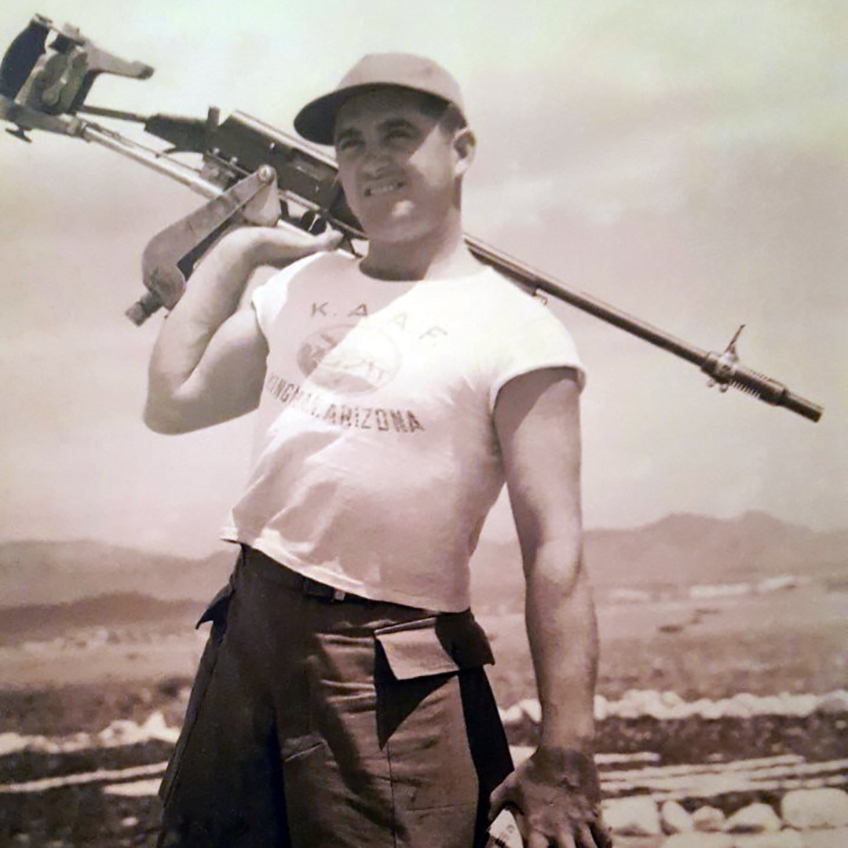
442 256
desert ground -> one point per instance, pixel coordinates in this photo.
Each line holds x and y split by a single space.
88 713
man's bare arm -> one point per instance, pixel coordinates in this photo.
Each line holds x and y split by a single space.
556 791
208 364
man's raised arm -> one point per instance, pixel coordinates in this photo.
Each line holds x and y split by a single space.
208 363
556 791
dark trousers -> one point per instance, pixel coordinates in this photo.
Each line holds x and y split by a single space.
317 721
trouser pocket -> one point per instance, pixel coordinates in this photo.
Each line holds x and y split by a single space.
421 666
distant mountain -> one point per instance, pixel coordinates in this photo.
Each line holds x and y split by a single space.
681 550
34 572
675 552
49 620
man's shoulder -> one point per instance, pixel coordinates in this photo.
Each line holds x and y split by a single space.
499 296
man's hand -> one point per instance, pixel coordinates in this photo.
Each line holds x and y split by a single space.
280 245
555 798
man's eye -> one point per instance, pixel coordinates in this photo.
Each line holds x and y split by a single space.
346 144
399 133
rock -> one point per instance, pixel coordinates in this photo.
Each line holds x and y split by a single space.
532 709
708 819
675 819
755 818
157 728
601 708
635 816
782 839
834 703
699 840
651 704
740 707
813 808
11 742
514 715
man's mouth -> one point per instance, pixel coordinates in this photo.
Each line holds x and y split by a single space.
382 188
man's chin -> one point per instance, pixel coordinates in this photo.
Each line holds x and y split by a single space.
399 225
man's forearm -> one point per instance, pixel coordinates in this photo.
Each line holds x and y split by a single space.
213 296
562 630
209 361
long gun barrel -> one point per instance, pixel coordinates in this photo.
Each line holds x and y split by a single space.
35 94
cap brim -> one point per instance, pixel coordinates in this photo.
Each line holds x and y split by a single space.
317 120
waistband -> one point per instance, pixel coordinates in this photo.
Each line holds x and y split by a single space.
278 573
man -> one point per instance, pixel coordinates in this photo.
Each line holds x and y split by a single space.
341 699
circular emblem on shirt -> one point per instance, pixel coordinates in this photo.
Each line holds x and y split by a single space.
349 358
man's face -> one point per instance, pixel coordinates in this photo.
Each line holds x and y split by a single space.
397 166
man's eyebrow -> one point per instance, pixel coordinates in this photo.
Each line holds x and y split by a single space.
397 123
347 133
352 133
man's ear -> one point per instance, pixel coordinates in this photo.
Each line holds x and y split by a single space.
464 147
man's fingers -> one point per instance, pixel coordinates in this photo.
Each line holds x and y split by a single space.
587 839
497 801
330 239
334 239
295 238
601 834
565 839
539 840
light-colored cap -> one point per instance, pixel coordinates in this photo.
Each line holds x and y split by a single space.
315 121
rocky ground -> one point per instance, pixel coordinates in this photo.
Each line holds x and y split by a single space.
773 778
745 710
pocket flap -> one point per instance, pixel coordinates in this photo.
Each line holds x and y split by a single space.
434 645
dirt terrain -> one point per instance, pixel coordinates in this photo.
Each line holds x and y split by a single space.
57 681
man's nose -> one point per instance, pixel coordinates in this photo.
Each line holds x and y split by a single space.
375 158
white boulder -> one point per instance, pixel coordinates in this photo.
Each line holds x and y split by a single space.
634 816
514 715
755 818
157 728
708 819
532 709
814 808
834 702
675 819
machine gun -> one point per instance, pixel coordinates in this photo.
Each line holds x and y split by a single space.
253 173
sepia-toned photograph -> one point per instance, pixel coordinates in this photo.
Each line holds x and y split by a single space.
424 424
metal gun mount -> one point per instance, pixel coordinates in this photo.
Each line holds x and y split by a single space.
40 82
252 173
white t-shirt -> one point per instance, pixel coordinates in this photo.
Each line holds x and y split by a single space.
376 459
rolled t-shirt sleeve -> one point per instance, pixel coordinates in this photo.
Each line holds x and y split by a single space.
533 340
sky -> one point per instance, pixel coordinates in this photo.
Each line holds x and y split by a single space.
686 162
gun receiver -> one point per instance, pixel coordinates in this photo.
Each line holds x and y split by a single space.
44 87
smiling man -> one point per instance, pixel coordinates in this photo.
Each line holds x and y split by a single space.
341 700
